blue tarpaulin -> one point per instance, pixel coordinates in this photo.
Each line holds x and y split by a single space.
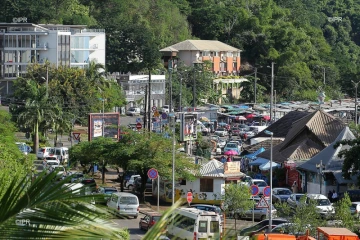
254 154
258 162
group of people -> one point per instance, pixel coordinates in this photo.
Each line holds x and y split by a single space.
332 196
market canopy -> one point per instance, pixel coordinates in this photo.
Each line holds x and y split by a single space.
266 166
258 162
254 154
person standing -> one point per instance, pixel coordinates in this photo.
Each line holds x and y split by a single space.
245 137
334 196
330 195
294 187
228 159
223 159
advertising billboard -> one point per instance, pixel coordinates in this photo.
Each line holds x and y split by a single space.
188 126
107 122
232 167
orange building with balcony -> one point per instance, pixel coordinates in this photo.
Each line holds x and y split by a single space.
225 59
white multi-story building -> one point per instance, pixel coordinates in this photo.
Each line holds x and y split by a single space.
23 44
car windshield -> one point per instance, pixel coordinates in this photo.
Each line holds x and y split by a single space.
231 146
220 129
284 192
323 202
156 218
110 191
298 197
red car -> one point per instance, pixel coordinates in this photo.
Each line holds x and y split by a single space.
235 131
149 220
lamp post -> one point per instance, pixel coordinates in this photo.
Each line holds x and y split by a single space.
356 87
271 177
121 177
320 167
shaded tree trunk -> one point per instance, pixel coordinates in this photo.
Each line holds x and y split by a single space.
103 172
36 139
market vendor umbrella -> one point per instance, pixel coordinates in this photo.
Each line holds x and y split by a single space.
204 119
266 118
231 153
239 118
251 115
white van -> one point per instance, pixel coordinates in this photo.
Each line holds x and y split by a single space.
323 204
62 153
192 223
124 204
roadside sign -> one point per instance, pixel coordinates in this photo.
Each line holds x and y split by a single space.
76 136
138 120
267 191
156 114
138 126
164 116
254 190
189 197
152 173
262 203
154 108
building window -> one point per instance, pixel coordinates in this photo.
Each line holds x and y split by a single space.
206 185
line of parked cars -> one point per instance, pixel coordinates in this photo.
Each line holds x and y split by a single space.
60 153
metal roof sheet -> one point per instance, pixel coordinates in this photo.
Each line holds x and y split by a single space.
203 45
213 168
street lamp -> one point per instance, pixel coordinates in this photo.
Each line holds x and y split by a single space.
121 175
356 87
320 167
271 177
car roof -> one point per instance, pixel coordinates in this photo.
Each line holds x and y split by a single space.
258 180
355 202
153 213
281 189
317 196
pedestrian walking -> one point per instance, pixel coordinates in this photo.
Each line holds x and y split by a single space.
228 159
334 196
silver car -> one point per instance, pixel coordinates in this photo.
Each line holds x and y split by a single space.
281 195
294 199
259 213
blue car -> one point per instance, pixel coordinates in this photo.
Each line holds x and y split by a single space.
232 146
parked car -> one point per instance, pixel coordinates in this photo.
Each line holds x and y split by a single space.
263 225
51 163
235 131
133 111
24 148
130 184
166 109
221 132
149 220
44 152
281 194
355 209
221 143
90 182
231 146
52 158
246 180
107 191
260 183
209 208
243 127
323 205
290 228
294 199
62 153
77 177
259 213
137 185
215 138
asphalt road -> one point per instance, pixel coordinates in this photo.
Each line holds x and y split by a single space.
132 225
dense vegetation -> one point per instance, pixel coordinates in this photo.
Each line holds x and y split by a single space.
296 35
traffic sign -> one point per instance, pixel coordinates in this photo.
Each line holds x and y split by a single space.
267 191
156 114
189 197
138 126
138 120
153 173
164 116
154 108
76 136
262 203
254 190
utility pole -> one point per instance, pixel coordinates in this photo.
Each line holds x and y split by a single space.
194 90
149 103
170 67
324 75
255 85
356 113
275 105
47 80
272 91
145 107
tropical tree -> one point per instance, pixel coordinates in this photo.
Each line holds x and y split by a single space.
36 108
47 209
343 213
216 96
236 199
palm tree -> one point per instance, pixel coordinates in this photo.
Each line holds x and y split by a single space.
216 97
36 109
45 209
